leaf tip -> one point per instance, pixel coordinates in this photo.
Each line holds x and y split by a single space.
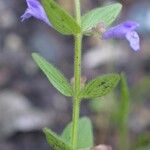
34 55
118 77
85 119
119 6
45 130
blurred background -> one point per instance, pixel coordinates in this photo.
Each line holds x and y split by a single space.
28 102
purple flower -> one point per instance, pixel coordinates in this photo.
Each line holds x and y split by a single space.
125 30
36 10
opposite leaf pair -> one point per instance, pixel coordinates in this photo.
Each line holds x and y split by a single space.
56 17
95 88
63 142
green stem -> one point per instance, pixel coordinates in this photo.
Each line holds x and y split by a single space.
76 99
77 77
78 11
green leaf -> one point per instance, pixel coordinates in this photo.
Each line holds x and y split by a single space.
123 114
100 86
55 141
105 15
60 19
85 133
53 75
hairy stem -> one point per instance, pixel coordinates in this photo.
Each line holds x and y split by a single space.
77 77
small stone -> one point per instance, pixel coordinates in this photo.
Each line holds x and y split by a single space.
102 147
